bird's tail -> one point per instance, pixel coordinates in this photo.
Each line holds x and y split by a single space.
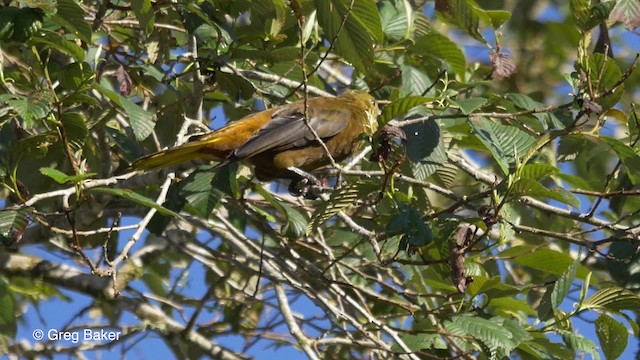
189 151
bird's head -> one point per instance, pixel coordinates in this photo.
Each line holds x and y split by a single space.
363 101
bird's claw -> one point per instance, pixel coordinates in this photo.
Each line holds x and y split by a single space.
311 189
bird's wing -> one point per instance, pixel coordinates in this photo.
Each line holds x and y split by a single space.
287 129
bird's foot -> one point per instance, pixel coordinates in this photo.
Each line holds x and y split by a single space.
306 185
309 189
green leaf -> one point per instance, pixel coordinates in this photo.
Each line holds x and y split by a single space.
414 81
528 187
438 49
604 73
522 101
613 336
296 225
563 284
580 11
142 121
71 16
144 14
29 108
75 128
137 198
537 171
13 222
462 13
467 106
76 76
8 315
396 19
580 343
57 175
339 200
421 342
59 43
627 155
613 299
27 22
598 14
550 262
398 108
361 28
505 142
423 140
408 221
498 17
497 334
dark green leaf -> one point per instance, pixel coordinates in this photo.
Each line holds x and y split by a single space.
137 198
71 16
613 336
75 128
8 315
400 107
563 284
144 13
463 13
506 143
59 43
627 155
440 50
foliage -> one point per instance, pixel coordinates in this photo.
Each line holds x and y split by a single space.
508 208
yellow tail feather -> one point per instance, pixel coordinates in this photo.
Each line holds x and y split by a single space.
180 154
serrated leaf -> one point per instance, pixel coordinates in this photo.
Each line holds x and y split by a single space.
296 225
8 316
137 198
421 342
142 121
528 187
71 16
550 262
57 42
614 299
355 39
439 49
75 76
498 17
75 128
492 333
30 107
604 73
627 155
505 142
463 14
563 284
144 14
408 221
396 18
578 342
467 106
12 221
613 336
425 144
627 12
338 201
400 107
537 172
414 81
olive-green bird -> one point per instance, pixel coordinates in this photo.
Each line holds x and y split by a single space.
277 142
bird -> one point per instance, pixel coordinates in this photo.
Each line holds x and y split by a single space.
278 142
